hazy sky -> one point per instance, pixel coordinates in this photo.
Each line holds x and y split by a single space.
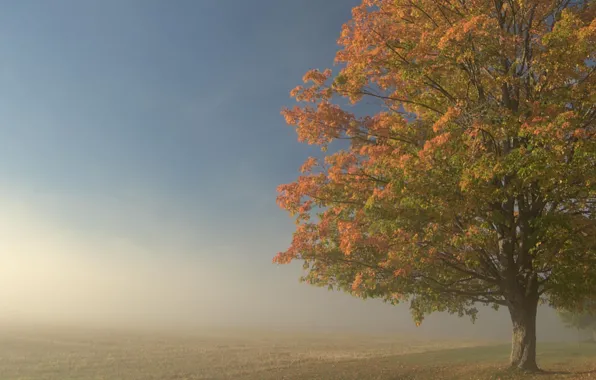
140 148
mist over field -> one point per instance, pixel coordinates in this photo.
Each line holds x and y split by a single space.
56 271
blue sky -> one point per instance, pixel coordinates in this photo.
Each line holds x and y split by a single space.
141 143
181 99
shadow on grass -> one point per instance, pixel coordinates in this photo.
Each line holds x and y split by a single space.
546 372
510 374
482 362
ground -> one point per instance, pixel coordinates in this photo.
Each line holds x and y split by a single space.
75 354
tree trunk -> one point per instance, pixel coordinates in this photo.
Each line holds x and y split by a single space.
594 335
523 346
579 335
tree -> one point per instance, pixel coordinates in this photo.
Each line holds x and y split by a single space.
580 320
475 179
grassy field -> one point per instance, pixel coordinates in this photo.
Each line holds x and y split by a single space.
62 354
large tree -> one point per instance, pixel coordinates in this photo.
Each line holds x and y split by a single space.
475 182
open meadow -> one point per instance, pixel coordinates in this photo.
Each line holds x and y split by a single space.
63 354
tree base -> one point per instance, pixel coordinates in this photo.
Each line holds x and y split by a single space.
525 368
514 372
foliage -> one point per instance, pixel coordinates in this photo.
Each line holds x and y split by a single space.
476 179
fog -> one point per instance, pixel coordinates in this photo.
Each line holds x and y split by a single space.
53 272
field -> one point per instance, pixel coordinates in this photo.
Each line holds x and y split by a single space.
63 354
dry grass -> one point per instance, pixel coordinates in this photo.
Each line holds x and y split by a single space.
62 354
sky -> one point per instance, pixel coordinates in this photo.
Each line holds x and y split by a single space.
141 144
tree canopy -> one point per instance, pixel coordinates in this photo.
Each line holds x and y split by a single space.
475 180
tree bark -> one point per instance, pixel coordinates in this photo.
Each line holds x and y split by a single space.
523 345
